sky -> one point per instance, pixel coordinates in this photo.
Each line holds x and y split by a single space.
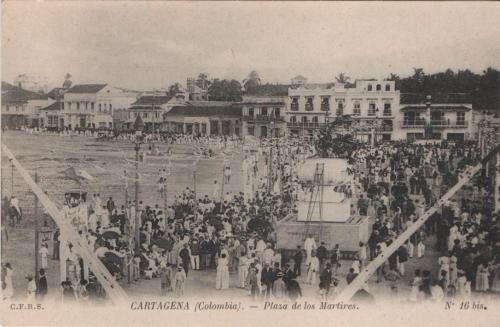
146 45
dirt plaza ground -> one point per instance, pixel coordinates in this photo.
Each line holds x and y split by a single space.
50 155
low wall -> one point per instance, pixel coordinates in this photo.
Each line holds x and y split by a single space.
347 235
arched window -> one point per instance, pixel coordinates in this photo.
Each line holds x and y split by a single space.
370 87
379 87
388 87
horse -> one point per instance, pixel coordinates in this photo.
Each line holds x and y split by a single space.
14 215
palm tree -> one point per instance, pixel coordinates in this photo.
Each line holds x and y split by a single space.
67 81
342 78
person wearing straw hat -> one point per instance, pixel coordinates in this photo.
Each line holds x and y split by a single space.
31 289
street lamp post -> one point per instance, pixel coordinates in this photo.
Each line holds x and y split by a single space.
137 217
11 178
138 126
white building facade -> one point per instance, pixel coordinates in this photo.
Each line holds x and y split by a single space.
438 117
92 105
373 106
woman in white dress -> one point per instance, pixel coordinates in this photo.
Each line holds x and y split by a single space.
222 279
415 284
8 291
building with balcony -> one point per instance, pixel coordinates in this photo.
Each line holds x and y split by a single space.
436 116
92 105
151 109
20 107
371 104
204 118
263 109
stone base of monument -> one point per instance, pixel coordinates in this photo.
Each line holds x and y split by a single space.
348 234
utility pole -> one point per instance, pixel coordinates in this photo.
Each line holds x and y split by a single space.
126 192
223 182
36 232
165 203
11 178
194 184
137 211
270 169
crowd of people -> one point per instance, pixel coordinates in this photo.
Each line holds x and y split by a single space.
394 184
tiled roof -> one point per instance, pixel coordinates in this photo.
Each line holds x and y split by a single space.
54 106
435 107
86 88
151 100
205 104
206 111
14 94
438 98
269 90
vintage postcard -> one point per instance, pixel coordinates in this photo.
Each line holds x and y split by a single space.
246 163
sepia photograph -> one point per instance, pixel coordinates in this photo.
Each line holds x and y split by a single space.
239 163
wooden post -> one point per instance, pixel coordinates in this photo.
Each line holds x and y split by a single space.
11 178
36 232
222 186
194 184
165 201
137 213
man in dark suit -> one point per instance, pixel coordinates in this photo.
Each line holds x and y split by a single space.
267 279
322 254
185 257
298 261
325 280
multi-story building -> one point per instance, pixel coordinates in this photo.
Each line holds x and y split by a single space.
371 104
204 118
264 110
151 109
435 116
92 105
20 108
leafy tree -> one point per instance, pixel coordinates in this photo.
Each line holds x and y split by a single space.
331 143
483 89
174 89
225 90
252 81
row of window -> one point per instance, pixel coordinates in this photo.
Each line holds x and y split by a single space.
412 117
264 111
378 87
305 119
325 106
15 108
144 114
102 107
